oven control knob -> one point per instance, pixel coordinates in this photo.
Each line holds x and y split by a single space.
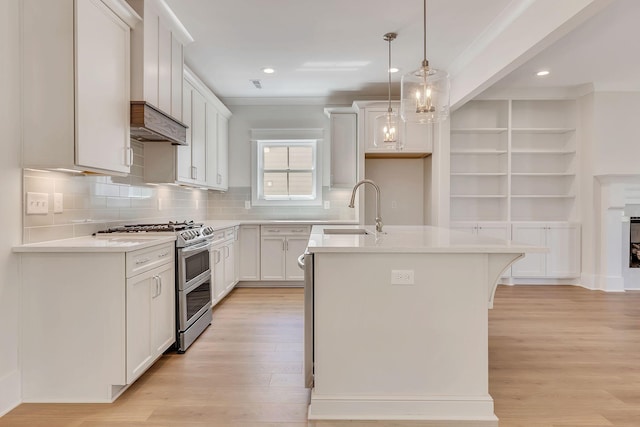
207 231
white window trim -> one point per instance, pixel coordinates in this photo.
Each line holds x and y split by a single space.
257 199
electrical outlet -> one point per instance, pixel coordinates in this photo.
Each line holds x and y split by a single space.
402 277
37 203
58 206
160 204
327 204
394 204
247 204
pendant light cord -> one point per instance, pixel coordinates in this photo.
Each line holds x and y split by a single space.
424 46
389 74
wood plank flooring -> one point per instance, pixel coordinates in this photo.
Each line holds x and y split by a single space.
559 356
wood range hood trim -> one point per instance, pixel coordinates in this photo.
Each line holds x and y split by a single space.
150 124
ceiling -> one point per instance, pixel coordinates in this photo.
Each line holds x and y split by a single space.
334 49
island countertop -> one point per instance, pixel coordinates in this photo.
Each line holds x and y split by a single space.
411 239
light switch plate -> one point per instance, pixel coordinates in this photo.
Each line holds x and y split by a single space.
402 277
37 203
58 205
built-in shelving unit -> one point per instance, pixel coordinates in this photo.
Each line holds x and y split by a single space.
513 160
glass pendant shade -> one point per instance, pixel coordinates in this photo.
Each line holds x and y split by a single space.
424 96
386 131
424 93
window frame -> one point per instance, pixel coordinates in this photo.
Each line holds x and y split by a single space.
257 185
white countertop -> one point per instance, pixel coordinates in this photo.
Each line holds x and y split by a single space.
102 243
411 239
285 221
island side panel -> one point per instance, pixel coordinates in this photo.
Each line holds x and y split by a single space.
376 339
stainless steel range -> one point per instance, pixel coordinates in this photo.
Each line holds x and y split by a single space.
193 275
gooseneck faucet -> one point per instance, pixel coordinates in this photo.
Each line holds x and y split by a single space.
353 199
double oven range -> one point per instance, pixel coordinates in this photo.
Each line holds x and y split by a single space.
193 275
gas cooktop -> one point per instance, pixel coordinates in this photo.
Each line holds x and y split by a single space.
170 226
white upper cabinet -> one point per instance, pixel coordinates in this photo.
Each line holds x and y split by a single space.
416 140
344 149
158 57
76 95
203 161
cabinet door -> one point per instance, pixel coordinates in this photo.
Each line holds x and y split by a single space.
236 249
223 153
164 66
249 259
177 67
184 151
139 353
343 150
417 137
497 231
532 265
163 309
198 138
102 88
272 259
563 260
212 146
471 229
229 266
295 246
217 273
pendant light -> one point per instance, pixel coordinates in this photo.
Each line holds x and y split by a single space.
386 133
424 94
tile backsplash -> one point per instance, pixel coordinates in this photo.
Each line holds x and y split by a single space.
92 203
231 205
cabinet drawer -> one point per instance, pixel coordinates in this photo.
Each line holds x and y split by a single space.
277 230
145 259
229 233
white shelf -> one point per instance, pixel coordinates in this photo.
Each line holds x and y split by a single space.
514 160
543 151
480 130
478 196
478 174
542 174
542 130
542 196
478 151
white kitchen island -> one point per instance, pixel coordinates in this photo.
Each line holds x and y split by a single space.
387 349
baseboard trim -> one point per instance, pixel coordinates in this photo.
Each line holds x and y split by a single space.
9 392
270 284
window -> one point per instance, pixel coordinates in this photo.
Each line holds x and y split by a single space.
287 173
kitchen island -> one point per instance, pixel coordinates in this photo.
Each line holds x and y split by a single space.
396 323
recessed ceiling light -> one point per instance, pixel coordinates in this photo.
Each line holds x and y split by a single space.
542 73
268 70
394 70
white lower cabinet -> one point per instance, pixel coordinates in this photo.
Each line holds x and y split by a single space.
249 261
280 248
93 322
223 264
150 318
563 258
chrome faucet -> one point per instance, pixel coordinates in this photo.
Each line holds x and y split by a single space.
353 199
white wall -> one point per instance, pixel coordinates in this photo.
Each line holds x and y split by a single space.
11 206
247 117
401 188
587 211
617 141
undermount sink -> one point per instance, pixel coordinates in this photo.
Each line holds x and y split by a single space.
345 231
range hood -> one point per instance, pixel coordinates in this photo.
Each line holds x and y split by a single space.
150 124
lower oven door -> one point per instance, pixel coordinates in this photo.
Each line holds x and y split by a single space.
193 302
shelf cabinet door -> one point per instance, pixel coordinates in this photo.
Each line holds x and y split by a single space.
217 273
249 259
198 138
295 246
344 159
229 266
222 176
183 166
163 314
139 353
533 264
563 260
497 231
272 259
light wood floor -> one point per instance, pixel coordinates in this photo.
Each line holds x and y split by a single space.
559 357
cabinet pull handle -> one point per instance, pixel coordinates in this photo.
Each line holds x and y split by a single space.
162 255
156 287
283 249
142 261
298 231
286 245
160 285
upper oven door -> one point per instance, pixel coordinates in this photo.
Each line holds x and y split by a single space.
193 264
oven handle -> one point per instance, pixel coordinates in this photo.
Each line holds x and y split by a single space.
189 249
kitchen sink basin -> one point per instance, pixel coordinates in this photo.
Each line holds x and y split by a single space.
345 231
